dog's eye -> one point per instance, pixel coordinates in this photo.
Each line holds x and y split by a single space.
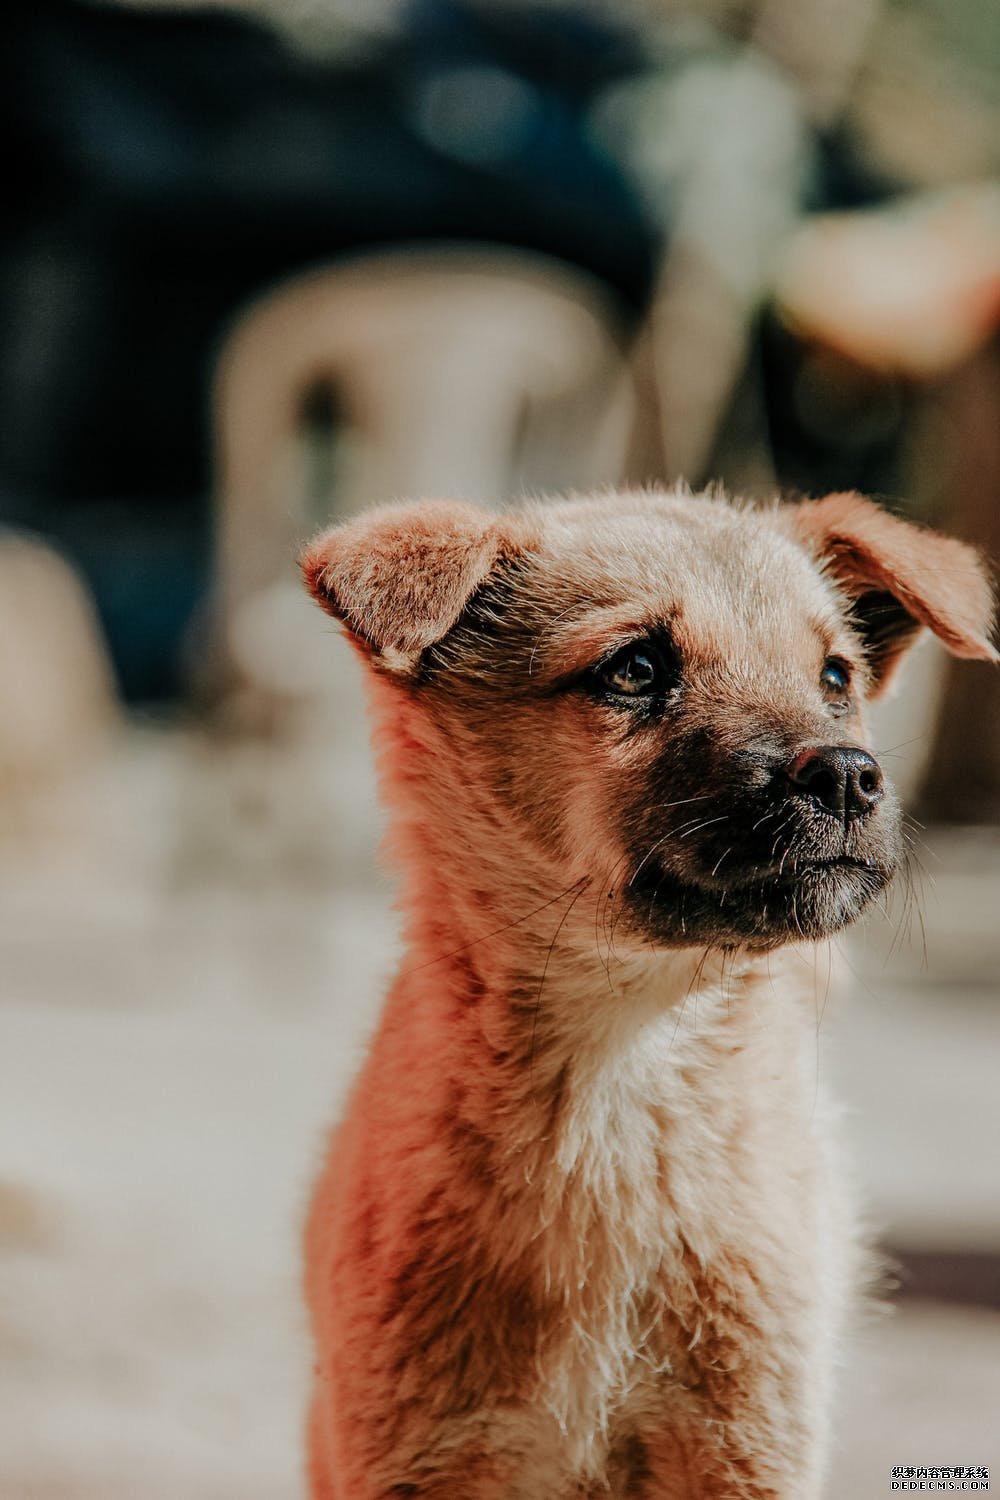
835 677
637 671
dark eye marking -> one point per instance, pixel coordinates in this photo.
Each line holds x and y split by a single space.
642 669
835 678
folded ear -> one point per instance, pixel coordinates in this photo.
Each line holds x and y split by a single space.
400 576
900 578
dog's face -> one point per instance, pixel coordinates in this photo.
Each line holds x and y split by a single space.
661 695
680 704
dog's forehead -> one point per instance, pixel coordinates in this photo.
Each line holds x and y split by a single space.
706 566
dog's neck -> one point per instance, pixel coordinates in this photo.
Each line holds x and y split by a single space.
562 1059
522 981
550 988
568 1071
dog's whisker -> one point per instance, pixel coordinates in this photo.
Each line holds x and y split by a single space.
892 749
722 818
677 1023
545 970
545 630
645 858
497 931
603 908
677 833
777 837
912 871
681 801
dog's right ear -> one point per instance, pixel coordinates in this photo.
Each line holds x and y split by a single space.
400 576
900 578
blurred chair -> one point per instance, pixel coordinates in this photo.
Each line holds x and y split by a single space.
60 707
441 373
720 145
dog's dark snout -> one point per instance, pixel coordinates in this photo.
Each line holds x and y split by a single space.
843 780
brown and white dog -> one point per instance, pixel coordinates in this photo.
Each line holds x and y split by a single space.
581 1232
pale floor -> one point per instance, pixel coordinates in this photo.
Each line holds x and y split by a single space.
179 1014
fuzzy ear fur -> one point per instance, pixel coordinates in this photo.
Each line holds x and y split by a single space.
901 578
400 576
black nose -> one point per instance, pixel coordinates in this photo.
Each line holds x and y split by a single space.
842 780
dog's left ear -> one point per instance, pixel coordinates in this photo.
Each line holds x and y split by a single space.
400 576
900 578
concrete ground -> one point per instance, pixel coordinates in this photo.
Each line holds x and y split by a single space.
183 996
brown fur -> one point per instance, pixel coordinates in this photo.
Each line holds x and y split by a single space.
581 1231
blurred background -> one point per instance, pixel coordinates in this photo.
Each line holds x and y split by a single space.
265 263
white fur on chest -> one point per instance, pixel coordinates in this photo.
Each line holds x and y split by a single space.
662 1150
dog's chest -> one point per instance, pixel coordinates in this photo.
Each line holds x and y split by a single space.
654 1182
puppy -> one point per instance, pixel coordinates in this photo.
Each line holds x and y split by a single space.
581 1232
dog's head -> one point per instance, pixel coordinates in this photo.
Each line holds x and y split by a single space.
658 694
